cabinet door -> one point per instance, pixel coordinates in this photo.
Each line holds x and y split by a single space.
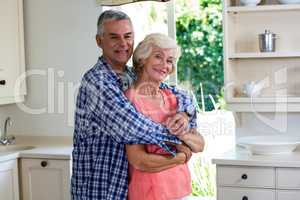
246 176
12 61
288 195
245 194
45 179
288 178
9 185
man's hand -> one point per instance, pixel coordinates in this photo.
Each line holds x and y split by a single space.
184 149
178 124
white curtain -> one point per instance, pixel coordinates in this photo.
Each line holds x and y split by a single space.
121 2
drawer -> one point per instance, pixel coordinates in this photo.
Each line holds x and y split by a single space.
288 178
288 195
246 176
245 194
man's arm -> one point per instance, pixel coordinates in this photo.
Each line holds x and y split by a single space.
120 120
186 116
148 162
185 101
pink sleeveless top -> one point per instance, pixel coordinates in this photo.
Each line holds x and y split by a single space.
173 183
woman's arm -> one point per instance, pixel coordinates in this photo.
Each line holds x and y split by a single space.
148 162
194 140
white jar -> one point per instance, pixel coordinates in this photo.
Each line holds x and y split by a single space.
250 2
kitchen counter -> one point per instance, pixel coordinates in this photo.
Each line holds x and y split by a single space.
242 157
43 147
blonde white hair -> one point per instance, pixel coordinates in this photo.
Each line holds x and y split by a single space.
145 47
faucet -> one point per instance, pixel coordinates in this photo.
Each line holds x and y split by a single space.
6 140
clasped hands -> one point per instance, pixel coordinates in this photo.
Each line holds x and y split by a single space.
178 125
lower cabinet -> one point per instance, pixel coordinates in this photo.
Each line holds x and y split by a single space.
245 194
257 183
9 184
45 179
288 195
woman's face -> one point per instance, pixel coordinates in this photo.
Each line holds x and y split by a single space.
159 64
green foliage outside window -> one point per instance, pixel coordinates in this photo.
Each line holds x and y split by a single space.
204 184
199 33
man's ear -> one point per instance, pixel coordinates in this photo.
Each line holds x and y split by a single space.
98 40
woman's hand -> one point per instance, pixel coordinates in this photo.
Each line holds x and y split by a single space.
177 124
182 148
193 140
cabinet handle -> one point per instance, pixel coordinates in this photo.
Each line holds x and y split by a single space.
244 177
2 82
245 198
44 163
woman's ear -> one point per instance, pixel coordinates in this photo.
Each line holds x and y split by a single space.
139 65
141 62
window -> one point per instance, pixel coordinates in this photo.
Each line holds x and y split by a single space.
157 17
199 33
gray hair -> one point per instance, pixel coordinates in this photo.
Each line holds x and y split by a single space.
145 47
110 15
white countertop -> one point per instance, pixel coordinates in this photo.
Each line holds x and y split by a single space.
239 156
43 147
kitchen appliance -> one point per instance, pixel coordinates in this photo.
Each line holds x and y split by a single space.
267 41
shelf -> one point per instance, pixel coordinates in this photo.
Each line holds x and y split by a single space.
244 61
264 107
263 8
264 104
264 55
279 99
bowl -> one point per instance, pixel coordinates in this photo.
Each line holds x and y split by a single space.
289 1
250 2
265 145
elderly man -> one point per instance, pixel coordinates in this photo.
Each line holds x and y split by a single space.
105 120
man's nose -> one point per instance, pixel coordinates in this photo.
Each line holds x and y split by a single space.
122 41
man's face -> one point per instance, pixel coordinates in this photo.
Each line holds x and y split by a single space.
116 42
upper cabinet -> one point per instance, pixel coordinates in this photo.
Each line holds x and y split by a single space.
256 80
12 59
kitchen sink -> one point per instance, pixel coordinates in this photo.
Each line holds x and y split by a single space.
12 148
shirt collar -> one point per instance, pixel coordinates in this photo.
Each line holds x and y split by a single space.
106 66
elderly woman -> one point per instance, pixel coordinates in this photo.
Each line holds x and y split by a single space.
154 173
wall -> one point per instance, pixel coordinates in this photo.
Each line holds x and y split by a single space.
60 47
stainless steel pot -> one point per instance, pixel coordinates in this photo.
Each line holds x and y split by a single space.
267 41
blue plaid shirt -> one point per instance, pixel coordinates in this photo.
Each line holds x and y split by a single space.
104 121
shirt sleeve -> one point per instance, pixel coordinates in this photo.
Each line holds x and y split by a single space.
193 121
185 104
120 120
